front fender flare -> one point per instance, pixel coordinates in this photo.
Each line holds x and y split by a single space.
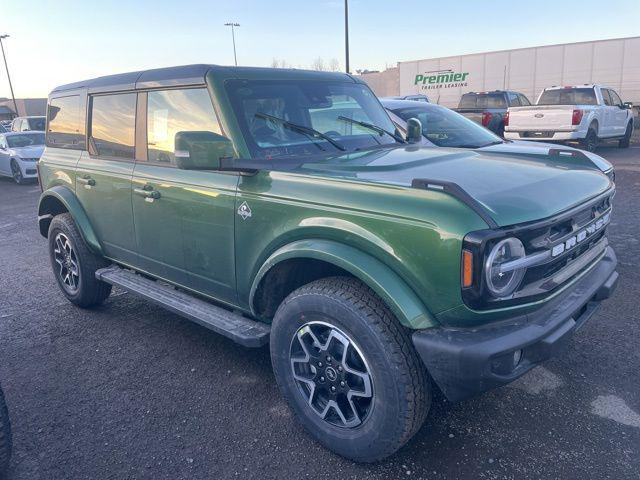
62 195
386 283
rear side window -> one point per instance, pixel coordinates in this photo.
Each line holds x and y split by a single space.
66 123
36 124
606 97
568 96
514 101
113 119
173 111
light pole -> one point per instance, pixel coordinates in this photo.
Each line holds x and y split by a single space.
13 97
346 34
233 37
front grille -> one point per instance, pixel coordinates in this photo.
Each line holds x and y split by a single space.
556 233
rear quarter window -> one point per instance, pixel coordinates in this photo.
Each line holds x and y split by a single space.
65 126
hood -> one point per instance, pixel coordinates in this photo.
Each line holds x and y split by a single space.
534 148
513 189
33 151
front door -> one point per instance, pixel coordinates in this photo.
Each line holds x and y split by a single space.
184 219
103 175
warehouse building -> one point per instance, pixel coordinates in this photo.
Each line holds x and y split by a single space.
615 63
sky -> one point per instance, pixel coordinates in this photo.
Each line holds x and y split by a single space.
61 41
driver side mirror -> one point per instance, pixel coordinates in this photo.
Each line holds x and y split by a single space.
627 105
414 130
201 150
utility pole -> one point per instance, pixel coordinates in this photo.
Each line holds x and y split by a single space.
13 97
233 37
346 34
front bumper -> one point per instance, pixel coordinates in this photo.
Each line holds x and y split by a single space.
29 169
467 361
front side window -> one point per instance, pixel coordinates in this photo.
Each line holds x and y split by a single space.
113 125
173 111
37 124
568 96
25 140
65 123
615 99
524 101
304 117
446 128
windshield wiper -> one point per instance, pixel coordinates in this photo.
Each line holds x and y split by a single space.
302 129
373 127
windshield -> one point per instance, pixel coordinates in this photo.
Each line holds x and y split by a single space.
25 140
37 123
568 96
483 100
279 117
446 128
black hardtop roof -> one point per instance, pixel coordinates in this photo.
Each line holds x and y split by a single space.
172 76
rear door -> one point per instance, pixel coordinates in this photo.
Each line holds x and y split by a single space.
5 168
103 174
607 119
184 219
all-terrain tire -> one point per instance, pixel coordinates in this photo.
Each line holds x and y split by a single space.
89 291
5 437
401 391
625 141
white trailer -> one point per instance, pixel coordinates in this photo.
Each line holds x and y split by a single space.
614 63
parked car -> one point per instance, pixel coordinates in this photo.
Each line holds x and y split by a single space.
442 127
370 264
489 109
583 113
19 154
2 129
5 437
6 124
27 124
414 98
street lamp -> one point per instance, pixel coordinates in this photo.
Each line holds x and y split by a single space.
233 36
346 34
15 105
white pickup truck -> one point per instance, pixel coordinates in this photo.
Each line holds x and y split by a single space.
583 113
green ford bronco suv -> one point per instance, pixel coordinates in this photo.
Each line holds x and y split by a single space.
282 207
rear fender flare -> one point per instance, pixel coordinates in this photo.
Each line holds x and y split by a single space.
49 206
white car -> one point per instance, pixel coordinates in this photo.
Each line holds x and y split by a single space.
19 154
583 113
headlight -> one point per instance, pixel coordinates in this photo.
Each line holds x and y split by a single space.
503 276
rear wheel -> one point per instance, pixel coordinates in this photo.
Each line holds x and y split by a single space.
5 437
626 140
590 142
16 173
74 265
348 369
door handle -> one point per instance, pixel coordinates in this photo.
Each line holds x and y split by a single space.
86 181
147 192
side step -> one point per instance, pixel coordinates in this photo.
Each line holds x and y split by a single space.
244 331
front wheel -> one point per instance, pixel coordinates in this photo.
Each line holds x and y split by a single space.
348 369
16 173
74 265
626 140
5 437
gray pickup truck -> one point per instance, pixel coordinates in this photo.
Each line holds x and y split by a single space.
489 109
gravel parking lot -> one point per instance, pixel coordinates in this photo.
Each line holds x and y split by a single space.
131 391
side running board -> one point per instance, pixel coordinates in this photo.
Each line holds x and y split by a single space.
244 331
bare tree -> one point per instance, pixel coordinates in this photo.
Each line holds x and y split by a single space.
334 65
318 64
275 63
